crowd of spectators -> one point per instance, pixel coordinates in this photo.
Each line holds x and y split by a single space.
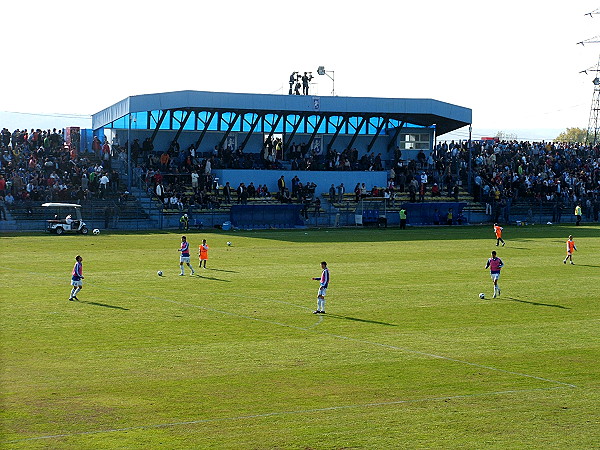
272 156
38 166
200 190
560 175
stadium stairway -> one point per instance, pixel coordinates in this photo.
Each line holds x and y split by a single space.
10 224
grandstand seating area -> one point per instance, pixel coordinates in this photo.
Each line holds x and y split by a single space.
507 178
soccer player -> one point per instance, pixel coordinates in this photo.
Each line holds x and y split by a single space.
324 282
495 264
498 230
203 253
76 277
185 256
570 248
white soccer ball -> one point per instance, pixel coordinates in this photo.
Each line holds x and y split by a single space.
228 244
482 295
159 273
96 231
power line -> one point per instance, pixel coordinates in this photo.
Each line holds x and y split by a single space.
64 115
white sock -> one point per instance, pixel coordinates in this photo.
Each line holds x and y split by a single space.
181 267
72 292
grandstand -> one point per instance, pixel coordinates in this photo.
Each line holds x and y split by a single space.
200 153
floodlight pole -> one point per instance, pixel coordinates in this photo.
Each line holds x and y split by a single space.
332 76
593 129
321 71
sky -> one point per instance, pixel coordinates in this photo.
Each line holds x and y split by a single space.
516 64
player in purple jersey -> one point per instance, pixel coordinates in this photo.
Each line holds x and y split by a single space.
76 277
495 264
185 256
323 283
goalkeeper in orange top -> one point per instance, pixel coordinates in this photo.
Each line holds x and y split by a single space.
498 230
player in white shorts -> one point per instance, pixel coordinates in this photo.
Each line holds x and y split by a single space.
185 256
324 282
76 278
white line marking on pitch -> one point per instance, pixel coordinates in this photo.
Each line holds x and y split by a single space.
311 328
283 413
393 347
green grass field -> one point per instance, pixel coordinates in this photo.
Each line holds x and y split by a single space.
407 355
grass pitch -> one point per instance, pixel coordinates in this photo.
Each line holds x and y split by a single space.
407 355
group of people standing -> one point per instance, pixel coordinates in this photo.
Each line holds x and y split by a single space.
185 255
298 81
495 264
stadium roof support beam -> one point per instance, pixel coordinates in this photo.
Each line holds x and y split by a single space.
314 133
229 128
159 124
360 125
259 117
301 119
203 132
383 123
182 124
419 112
395 136
337 132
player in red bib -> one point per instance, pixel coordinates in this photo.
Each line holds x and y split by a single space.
203 252
498 230
570 249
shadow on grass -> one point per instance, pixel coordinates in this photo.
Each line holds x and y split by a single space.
213 279
536 303
223 270
336 316
586 265
104 305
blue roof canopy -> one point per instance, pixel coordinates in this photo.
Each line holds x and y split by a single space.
422 112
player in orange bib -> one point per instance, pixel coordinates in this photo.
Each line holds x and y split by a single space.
570 248
498 230
203 253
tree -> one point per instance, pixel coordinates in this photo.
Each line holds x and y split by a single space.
572 135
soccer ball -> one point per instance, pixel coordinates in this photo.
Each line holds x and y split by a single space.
482 295
96 231
159 273
228 244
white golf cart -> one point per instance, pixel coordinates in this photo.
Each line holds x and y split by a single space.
65 218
